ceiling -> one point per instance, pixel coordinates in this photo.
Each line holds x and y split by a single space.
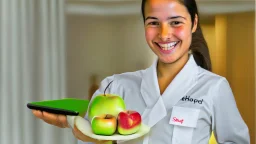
207 8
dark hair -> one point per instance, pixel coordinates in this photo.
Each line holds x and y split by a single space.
198 45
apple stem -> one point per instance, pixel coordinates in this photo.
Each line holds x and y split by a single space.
107 88
108 116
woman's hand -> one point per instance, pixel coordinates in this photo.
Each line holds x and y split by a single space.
79 135
61 122
53 119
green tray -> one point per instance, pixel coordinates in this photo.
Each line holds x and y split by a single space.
67 106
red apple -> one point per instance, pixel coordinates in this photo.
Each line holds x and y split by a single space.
129 122
104 124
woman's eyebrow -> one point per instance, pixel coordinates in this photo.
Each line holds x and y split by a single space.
173 17
150 17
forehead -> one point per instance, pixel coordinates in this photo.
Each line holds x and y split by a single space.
165 8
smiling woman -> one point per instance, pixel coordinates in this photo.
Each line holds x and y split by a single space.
178 96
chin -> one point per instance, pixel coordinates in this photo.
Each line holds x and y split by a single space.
172 58
168 59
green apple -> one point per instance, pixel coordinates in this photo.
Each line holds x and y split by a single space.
106 104
104 124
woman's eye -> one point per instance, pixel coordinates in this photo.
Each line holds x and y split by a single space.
153 23
175 23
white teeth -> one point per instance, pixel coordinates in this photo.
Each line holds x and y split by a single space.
168 46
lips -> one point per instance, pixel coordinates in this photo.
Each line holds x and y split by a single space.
167 48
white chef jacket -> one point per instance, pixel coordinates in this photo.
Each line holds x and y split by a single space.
194 104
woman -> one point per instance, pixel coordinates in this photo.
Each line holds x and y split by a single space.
178 96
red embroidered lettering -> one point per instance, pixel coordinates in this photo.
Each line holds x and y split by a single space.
178 120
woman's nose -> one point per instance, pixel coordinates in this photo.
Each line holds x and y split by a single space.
164 33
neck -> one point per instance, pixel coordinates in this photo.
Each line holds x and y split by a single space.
170 70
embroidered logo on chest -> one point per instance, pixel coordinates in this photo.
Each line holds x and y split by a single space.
187 98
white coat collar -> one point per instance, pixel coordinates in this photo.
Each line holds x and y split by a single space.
157 105
178 88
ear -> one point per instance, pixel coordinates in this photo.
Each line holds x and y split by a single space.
195 24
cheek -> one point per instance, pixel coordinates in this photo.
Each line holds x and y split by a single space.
182 33
150 34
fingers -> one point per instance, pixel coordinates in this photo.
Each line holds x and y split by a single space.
50 118
63 120
37 113
79 135
53 119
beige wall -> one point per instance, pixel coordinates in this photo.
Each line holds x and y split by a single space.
104 46
210 37
215 34
240 64
231 43
220 58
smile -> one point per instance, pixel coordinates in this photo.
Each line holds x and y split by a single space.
167 47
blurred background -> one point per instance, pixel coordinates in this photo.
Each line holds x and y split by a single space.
53 49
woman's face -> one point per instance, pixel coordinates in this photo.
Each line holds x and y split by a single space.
168 29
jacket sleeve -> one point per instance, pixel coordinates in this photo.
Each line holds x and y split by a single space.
228 125
104 83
